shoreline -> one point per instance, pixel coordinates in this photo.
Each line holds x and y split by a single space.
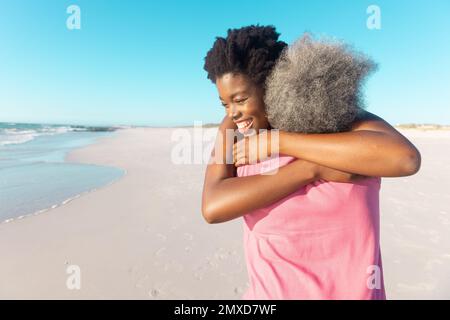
60 204
76 196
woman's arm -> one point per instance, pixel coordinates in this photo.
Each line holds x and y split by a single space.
230 198
226 197
371 148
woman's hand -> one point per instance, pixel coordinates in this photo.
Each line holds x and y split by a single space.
254 148
257 148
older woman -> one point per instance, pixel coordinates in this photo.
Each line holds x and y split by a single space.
311 231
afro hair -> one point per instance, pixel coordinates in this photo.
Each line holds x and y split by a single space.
315 86
251 50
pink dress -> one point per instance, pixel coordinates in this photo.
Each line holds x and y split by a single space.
320 242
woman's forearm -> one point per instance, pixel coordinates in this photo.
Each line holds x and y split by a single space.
364 152
231 198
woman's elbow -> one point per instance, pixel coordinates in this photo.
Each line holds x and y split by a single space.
209 218
411 162
209 214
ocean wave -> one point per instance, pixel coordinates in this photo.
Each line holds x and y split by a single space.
15 139
13 133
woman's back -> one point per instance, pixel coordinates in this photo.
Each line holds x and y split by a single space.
321 242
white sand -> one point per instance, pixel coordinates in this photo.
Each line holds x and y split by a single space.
415 220
143 237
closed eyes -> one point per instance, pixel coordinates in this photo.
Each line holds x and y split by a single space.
241 101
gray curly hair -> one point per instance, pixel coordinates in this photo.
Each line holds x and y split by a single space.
315 86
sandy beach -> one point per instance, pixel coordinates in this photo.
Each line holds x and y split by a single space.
143 236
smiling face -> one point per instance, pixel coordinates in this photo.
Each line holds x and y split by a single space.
243 101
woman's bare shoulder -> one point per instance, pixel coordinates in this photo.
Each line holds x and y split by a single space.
366 120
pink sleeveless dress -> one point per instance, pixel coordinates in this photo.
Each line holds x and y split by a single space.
320 242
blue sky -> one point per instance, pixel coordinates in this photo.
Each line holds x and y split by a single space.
141 62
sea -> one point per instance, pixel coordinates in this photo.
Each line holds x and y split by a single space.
34 175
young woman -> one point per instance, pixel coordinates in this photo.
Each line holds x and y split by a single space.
311 231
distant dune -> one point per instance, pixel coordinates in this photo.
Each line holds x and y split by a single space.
421 126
